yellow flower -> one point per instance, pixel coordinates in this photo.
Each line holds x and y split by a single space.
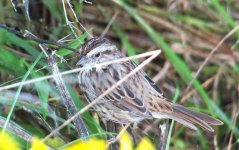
126 142
37 144
145 144
92 144
7 142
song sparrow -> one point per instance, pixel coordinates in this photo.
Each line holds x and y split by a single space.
137 98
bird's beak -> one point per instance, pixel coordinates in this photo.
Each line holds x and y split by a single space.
82 60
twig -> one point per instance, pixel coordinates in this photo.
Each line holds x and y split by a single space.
71 108
69 23
26 5
190 93
109 24
162 73
112 127
16 129
117 138
14 4
234 120
164 135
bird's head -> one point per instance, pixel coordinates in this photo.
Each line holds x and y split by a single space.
97 50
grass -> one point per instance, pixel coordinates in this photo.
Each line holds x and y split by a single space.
18 92
185 31
179 65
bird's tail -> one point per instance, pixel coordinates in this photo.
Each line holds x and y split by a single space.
188 117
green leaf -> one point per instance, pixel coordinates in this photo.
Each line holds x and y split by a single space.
222 11
11 38
11 63
42 90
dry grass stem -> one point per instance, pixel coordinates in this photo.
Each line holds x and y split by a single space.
210 55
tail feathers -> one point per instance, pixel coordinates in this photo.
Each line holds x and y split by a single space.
206 118
181 120
189 117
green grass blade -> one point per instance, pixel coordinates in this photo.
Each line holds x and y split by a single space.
18 92
222 11
175 98
42 89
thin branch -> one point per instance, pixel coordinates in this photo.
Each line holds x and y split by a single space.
69 23
164 135
26 5
16 129
14 4
71 108
109 24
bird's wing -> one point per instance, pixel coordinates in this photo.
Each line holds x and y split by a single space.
123 96
154 86
155 97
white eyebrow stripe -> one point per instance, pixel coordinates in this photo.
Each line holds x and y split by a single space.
101 48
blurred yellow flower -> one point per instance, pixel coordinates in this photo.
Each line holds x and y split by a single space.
126 142
145 144
37 144
7 142
92 144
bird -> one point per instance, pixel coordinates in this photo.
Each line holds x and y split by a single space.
136 99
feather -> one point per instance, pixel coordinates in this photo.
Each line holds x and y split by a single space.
188 117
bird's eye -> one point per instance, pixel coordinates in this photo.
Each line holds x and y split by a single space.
97 54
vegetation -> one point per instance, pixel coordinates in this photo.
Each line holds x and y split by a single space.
198 66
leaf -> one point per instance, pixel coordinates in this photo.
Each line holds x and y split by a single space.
11 63
11 38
